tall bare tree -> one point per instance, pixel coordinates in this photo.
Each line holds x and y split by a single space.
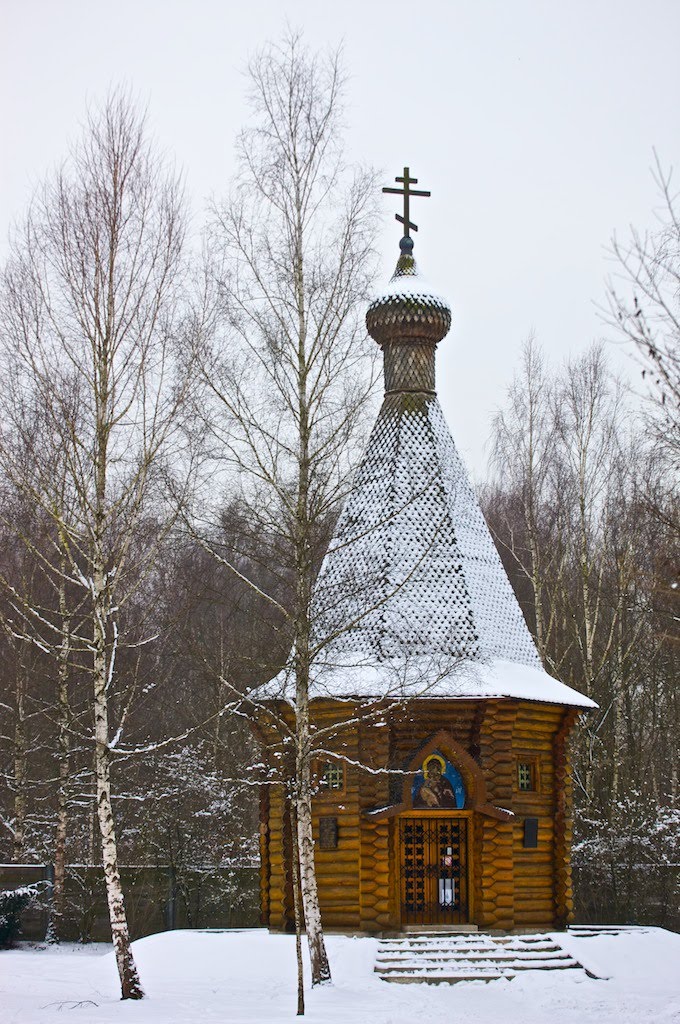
292 257
91 310
644 306
524 435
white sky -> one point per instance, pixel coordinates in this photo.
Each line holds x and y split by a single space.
531 122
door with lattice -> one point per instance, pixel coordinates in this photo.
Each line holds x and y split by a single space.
433 858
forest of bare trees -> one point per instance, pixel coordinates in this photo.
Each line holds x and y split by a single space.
582 501
177 435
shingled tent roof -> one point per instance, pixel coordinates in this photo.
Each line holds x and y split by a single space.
412 597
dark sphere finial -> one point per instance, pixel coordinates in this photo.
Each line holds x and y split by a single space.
406 245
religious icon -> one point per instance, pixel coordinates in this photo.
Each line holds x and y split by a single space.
438 785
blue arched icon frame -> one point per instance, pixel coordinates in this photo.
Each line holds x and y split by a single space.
453 797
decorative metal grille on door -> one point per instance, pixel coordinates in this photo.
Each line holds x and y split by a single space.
433 870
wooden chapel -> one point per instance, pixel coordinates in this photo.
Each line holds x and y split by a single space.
443 791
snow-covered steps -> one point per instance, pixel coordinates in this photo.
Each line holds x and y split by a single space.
590 931
437 958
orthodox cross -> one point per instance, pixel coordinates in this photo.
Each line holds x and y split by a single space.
407 192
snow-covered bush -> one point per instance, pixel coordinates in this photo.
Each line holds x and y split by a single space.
13 903
626 864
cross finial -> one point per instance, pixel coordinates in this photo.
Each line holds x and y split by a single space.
407 192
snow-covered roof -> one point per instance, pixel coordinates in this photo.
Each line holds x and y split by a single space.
412 565
408 281
428 677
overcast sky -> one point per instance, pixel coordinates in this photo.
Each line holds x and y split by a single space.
532 122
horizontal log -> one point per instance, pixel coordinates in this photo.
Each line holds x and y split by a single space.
343 855
373 886
334 919
503 888
537 901
338 902
502 922
524 803
535 897
545 845
382 879
342 881
379 871
370 925
543 713
525 870
373 852
497 863
531 743
526 918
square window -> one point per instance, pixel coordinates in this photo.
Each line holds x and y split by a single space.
331 776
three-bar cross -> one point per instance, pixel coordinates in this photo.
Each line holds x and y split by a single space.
407 192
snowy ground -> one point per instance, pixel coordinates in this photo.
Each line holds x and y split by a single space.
248 976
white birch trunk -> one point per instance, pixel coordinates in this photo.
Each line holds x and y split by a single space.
120 934
321 972
20 764
64 759
298 911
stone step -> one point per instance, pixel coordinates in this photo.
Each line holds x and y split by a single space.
530 940
589 930
453 951
440 929
445 959
439 966
469 946
490 956
450 978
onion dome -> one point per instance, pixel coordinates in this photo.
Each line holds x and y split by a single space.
408 319
407 307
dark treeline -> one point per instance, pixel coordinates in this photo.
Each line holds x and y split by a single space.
184 778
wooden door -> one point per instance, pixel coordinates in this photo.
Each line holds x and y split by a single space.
434 870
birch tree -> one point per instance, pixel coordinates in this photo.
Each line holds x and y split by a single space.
524 435
290 377
91 309
644 306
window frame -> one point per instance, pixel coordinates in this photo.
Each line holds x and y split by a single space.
331 793
533 761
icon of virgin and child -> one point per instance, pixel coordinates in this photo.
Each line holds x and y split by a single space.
432 789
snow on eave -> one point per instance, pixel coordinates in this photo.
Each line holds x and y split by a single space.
395 680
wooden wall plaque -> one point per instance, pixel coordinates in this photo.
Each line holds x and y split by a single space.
328 833
530 833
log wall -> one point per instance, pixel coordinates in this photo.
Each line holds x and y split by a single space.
511 886
533 739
